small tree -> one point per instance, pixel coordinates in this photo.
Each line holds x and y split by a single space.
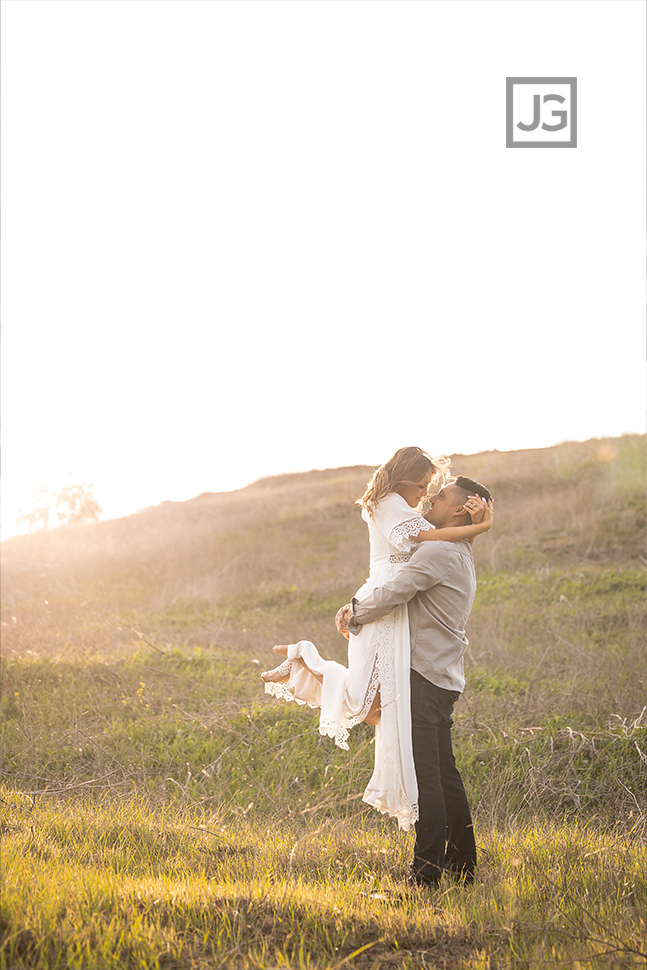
73 505
76 503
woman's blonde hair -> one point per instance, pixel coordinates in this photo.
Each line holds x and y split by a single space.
408 466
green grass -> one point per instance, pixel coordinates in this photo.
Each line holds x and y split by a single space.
158 811
117 884
194 724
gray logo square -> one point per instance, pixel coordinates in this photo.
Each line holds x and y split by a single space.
541 112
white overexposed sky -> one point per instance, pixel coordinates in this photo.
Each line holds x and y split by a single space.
248 237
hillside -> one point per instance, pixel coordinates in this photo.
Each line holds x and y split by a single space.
560 574
273 561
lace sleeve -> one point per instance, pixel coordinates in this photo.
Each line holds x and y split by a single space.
401 535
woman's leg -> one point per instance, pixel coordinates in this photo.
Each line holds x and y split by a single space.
373 715
277 675
281 674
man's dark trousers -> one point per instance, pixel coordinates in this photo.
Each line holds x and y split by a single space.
442 802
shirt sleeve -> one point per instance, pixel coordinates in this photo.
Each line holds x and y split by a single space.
398 523
425 569
401 536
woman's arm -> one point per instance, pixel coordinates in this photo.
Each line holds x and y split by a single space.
456 533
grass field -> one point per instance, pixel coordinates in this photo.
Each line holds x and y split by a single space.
158 811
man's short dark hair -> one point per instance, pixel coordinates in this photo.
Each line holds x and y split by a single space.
470 487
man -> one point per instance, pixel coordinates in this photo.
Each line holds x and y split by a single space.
439 584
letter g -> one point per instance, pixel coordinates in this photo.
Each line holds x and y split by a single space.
555 114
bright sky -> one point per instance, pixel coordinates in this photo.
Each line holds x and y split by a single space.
254 237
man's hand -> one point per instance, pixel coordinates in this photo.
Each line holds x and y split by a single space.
342 618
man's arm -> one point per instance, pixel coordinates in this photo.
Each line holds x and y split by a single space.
424 570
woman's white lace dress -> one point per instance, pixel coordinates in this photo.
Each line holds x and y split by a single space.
379 656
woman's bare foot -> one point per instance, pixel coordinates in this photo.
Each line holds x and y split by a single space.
277 675
281 649
373 716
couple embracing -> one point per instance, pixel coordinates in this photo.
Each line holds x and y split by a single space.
406 640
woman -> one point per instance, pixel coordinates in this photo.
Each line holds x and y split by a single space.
379 656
